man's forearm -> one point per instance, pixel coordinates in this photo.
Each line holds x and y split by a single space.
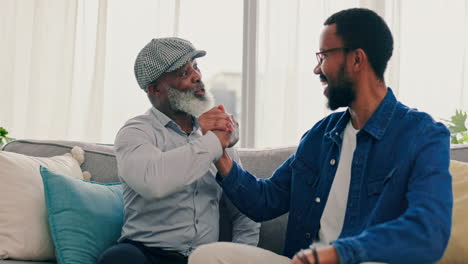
224 164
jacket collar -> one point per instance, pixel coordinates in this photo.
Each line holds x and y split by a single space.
381 118
377 123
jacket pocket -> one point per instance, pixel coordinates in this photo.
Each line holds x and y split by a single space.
375 185
305 172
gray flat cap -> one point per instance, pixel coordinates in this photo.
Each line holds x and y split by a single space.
163 55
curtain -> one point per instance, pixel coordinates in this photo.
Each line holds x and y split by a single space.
433 56
289 95
37 47
67 65
428 69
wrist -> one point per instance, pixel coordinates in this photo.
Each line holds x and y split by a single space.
325 255
224 164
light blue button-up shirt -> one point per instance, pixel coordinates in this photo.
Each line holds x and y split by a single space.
170 193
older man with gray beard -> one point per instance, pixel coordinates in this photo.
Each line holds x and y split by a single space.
165 162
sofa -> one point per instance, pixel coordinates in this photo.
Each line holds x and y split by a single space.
101 163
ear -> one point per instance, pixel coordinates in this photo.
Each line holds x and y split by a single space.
359 59
153 89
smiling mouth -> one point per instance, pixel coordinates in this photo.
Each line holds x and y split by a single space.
324 83
200 92
323 79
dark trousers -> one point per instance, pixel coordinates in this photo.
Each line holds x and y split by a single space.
131 252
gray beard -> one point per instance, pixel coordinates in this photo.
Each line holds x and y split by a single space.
187 102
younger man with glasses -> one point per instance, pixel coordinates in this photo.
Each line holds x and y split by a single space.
370 184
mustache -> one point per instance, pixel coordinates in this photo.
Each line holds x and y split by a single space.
323 78
201 85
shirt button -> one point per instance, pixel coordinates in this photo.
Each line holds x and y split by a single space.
196 222
336 133
196 192
332 162
307 235
317 199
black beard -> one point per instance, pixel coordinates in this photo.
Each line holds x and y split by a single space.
342 94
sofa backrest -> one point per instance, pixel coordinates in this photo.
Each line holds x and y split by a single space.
99 158
459 152
101 163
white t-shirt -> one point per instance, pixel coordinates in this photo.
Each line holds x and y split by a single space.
333 215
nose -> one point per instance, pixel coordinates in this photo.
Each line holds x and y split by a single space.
196 76
318 69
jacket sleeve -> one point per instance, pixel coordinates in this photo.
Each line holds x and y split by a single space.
259 199
244 229
155 173
423 230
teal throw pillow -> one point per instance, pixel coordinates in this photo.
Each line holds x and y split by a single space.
85 218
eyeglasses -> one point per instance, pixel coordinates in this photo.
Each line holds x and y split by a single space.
321 55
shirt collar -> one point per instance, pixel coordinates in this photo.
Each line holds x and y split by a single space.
167 122
164 119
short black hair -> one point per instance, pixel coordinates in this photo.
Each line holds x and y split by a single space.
363 28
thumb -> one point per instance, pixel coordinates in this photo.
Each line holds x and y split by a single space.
221 107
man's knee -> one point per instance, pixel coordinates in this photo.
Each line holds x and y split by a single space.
122 254
207 254
227 253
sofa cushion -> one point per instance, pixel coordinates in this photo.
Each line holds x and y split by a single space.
99 158
459 152
262 163
85 218
24 232
457 250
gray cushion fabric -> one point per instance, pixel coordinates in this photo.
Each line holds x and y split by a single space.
273 232
459 152
99 158
262 163
100 162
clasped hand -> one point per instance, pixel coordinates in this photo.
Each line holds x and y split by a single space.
221 124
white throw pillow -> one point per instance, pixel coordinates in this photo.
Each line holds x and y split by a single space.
24 230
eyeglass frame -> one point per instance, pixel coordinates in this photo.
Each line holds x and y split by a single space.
320 53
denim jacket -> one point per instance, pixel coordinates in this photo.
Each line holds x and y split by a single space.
399 205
